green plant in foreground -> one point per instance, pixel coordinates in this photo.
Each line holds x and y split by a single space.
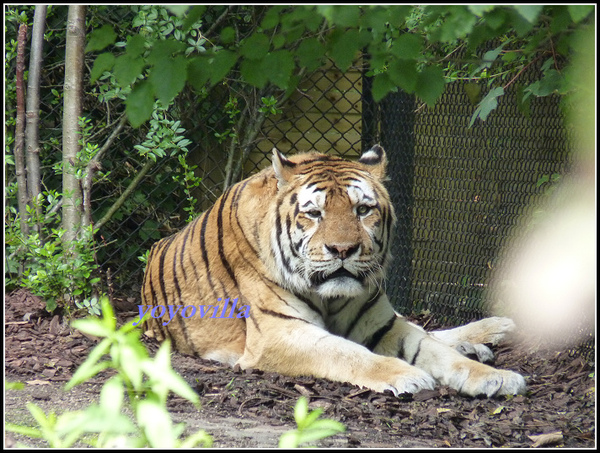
146 381
309 428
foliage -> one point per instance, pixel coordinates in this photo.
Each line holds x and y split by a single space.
51 273
147 383
409 48
165 137
189 181
309 427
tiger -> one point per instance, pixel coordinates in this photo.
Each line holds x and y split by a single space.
303 248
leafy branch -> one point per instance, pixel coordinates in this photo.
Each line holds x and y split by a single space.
403 43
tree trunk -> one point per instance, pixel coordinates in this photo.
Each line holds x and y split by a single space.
73 95
32 145
20 170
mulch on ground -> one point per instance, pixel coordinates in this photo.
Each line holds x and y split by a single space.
559 404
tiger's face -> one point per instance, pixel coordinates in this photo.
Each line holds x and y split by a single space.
333 224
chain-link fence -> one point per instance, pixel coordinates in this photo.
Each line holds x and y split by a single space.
461 193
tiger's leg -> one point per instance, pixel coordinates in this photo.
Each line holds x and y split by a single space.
470 339
446 364
296 347
485 331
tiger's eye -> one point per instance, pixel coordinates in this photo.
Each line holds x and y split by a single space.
314 214
363 209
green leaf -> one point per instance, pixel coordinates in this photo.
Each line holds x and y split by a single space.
529 12
289 439
473 90
404 74
320 430
90 366
498 410
101 38
376 18
24 430
345 48
103 62
542 180
108 315
94 419
156 423
519 23
579 12
408 46
220 65
310 53
552 82
255 47
193 16
111 395
139 103
164 378
127 69
340 15
92 327
430 84
136 45
487 104
163 50
309 419
490 56
198 72
169 79
228 35
178 10
271 18
300 410
457 25
278 66
480 10
253 73
131 363
382 85
45 422
196 438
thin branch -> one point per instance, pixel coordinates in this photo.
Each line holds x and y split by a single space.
227 181
32 145
20 170
511 81
92 167
117 205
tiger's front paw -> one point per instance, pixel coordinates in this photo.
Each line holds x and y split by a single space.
412 382
488 381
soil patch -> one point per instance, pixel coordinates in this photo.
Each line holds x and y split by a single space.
252 409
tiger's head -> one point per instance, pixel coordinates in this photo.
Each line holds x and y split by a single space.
333 223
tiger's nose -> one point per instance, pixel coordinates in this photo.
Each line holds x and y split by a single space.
342 251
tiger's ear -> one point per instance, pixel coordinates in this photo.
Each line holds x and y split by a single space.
376 161
283 168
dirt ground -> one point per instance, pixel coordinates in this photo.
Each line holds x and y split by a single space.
252 409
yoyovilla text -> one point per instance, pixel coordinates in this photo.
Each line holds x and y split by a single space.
158 311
